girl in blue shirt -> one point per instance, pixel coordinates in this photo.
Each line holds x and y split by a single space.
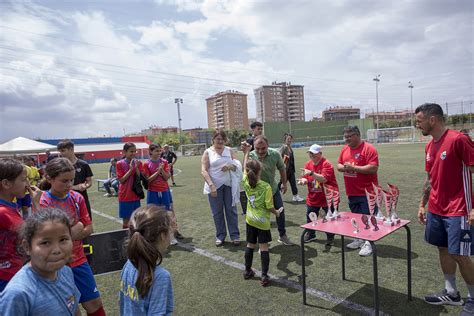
44 286
145 287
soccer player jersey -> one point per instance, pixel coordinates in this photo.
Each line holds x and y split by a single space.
126 193
75 207
260 201
447 162
158 184
355 182
316 195
10 259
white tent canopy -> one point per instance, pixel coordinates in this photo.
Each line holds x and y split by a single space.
22 145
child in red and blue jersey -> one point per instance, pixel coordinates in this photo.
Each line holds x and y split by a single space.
13 183
60 174
157 171
127 168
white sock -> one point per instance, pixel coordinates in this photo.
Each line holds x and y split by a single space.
450 284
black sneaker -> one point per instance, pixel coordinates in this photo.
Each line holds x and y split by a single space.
468 307
265 281
248 274
443 298
309 238
330 241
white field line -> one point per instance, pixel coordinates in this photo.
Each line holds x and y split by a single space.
288 283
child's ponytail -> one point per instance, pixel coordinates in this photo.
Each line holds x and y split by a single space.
253 168
147 226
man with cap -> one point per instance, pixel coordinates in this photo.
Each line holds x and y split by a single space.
318 173
359 162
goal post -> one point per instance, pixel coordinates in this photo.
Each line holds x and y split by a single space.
406 134
193 149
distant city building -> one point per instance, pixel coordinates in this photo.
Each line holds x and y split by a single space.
227 110
341 113
157 130
280 102
394 115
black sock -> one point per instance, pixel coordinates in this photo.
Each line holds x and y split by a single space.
248 258
265 257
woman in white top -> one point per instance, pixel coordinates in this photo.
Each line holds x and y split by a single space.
222 175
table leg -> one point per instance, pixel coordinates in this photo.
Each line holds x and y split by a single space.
303 269
343 256
376 278
408 261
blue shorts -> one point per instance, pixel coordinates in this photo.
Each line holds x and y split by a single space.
159 198
359 205
452 232
24 201
126 208
85 282
3 284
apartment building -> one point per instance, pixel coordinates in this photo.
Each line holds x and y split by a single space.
339 113
280 102
227 110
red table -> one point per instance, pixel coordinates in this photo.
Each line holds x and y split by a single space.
343 227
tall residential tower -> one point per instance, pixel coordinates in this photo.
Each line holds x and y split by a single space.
227 110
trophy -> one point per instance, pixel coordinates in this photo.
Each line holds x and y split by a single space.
336 200
378 200
323 216
328 193
371 200
373 221
387 196
365 220
314 218
395 193
355 225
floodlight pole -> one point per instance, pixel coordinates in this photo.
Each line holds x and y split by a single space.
376 79
410 85
179 101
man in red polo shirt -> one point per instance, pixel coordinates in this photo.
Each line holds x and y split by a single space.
359 161
449 218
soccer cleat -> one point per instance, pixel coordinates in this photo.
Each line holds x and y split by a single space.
265 281
330 241
356 244
219 243
178 235
468 307
443 298
309 238
173 242
107 195
285 240
366 250
248 274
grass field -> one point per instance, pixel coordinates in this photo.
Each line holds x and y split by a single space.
204 286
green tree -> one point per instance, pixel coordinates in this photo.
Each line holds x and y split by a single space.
236 136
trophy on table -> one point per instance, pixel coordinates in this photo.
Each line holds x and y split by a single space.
328 193
336 200
314 218
387 196
355 225
365 220
323 216
373 221
395 193
378 200
371 200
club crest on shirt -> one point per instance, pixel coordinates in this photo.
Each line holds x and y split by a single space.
443 155
357 156
428 157
252 200
70 302
78 169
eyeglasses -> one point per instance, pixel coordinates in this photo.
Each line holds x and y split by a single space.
349 135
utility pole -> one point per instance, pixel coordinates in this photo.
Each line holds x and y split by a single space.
179 101
410 85
376 79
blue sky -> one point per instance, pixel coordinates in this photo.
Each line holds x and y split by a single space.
94 68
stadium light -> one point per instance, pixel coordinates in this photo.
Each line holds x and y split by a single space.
179 101
376 79
410 85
